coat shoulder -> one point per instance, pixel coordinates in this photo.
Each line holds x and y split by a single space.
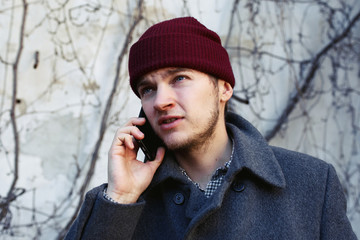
291 160
302 169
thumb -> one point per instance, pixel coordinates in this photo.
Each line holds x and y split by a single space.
158 159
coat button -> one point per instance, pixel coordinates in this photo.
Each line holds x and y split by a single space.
179 198
238 186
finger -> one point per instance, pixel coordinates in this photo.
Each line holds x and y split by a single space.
135 121
123 140
129 130
129 142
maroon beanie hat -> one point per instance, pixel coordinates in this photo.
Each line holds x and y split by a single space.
180 42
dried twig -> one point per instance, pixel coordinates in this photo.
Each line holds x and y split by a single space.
13 191
299 92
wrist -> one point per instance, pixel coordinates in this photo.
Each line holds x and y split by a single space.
119 198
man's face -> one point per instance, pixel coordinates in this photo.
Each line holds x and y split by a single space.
182 106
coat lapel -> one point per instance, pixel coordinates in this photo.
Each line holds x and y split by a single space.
252 152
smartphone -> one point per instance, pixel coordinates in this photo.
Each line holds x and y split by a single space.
151 142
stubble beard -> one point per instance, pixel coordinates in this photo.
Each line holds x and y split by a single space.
198 139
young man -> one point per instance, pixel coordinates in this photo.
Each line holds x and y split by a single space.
217 178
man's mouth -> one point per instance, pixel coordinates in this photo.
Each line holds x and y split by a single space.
169 122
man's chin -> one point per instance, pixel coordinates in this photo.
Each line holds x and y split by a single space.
177 144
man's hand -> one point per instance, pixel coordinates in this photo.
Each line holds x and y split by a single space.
127 177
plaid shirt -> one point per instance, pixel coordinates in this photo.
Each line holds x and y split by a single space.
216 179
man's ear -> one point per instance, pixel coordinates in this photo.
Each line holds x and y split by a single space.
225 90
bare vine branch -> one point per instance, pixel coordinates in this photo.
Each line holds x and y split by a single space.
315 63
13 192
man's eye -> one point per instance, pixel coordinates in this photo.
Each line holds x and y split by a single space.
179 78
145 91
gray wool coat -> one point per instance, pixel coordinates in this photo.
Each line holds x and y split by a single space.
268 193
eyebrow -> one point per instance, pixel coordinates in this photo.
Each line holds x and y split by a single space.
171 71
177 70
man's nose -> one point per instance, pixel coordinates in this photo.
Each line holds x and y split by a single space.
165 98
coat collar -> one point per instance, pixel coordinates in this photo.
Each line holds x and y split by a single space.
251 152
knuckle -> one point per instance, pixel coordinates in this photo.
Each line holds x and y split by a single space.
119 131
126 130
131 121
